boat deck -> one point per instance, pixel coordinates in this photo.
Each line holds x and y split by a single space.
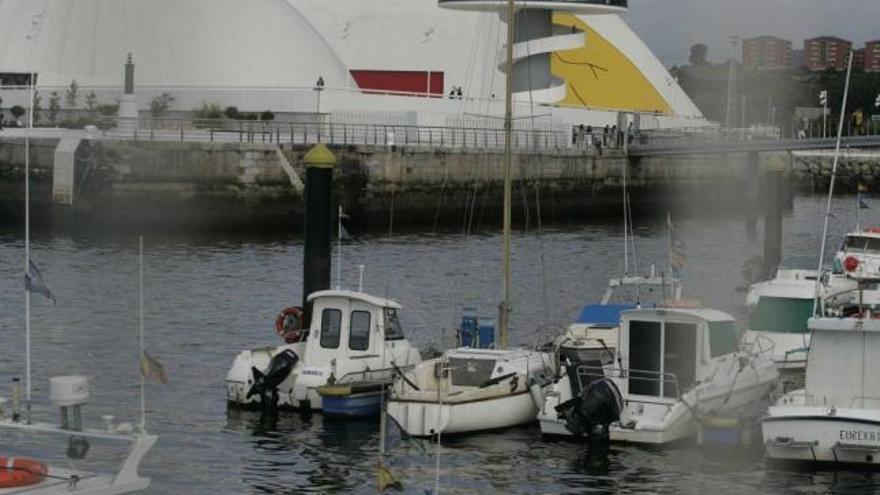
61 482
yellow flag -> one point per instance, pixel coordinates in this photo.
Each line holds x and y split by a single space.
387 480
151 368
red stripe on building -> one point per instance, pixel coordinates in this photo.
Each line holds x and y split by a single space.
405 81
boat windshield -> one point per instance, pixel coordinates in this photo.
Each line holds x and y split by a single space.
781 314
393 331
859 243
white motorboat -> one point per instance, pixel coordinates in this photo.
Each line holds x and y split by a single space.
467 390
778 312
836 417
859 256
33 477
20 475
672 367
353 337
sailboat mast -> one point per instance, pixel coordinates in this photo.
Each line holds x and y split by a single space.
504 313
831 185
27 235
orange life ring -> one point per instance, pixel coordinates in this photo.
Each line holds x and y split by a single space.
294 334
19 471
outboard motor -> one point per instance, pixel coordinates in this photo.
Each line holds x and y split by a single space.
266 382
598 405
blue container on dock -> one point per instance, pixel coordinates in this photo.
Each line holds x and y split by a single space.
476 331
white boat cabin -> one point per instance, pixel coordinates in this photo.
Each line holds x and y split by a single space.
357 335
843 363
667 351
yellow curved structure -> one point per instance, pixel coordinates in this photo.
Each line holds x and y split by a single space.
599 75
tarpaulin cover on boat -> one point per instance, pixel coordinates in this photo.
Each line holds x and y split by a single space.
604 315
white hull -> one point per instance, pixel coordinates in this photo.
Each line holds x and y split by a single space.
665 420
822 434
425 419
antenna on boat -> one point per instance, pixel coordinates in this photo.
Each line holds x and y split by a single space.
141 328
32 37
625 226
831 185
339 249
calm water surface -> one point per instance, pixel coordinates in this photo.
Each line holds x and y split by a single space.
208 298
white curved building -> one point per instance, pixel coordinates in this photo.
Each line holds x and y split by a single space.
378 59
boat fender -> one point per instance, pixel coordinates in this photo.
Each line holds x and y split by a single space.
20 471
537 395
289 324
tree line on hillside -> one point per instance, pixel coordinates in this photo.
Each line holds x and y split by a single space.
771 96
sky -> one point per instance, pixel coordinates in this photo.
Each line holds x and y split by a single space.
670 27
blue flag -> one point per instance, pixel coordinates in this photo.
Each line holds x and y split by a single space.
33 282
862 203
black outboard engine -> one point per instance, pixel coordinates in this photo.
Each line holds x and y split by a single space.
598 405
266 382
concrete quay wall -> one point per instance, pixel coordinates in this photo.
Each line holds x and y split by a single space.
257 186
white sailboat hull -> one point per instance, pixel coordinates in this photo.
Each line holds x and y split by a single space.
426 419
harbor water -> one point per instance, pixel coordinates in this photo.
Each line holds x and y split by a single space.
207 298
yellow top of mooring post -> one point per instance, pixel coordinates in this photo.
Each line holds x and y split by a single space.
320 156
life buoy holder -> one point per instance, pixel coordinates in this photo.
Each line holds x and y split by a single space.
20 471
293 333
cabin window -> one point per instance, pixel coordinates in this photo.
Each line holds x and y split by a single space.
723 338
359 331
679 357
644 357
392 325
781 314
856 243
331 321
471 372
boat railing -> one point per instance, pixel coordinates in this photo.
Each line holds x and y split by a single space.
759 345
374 375
667 383
861 399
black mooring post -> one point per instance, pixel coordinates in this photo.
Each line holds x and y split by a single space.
319 163
774 201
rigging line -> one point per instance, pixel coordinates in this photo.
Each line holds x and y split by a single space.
522 188
541 252
439 207
473 204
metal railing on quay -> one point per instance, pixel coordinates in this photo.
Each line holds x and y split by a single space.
305 133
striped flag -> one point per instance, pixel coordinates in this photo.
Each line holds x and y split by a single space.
33 282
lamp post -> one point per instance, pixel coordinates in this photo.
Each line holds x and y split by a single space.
319 86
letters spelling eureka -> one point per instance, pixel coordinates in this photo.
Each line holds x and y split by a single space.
859 435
